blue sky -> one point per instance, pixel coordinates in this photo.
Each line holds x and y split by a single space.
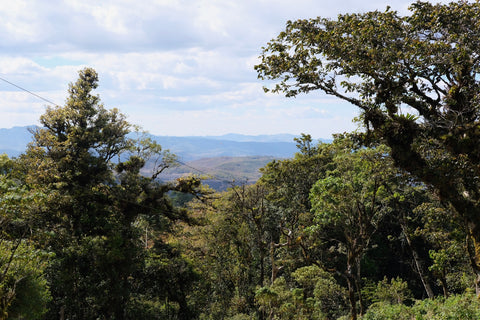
174 67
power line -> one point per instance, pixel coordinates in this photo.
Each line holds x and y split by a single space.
188 166
215 178
28 91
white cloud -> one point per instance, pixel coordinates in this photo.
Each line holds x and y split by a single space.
174 66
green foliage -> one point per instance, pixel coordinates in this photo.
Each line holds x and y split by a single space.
24 292
161 286
23 288
88 231
329 298
230 249
94 202
465 306
380 62
279 302
241 316
445 234
356 185
387 311
288 183
257 242
348 205
85 225
461 307
392 292
314 295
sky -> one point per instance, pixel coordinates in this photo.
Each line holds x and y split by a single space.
174 67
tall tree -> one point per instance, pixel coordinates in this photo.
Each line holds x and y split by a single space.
349 204
232 249
92 203
288 183
384 63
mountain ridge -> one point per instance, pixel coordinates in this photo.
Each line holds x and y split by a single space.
13 141
221 159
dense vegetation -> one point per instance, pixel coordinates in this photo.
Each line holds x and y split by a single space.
379 224
82 230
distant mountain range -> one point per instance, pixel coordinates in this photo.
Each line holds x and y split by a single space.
193 148
285 137
224 159
13 141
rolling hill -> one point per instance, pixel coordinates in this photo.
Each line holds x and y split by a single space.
227 158
222 171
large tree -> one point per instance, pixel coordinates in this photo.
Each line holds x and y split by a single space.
88 169
288 183
349 203
416 80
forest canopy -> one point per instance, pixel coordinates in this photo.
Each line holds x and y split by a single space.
383 223
415 79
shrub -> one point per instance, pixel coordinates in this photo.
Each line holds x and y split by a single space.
457 307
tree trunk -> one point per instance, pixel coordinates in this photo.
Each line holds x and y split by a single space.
351 287
262 269
62 313
358 287
473 248
351 297
419 265
272 260
443 281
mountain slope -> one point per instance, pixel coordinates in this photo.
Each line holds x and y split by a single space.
192 148
222 171
13 141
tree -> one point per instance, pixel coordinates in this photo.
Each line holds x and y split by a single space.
288 183
252 226
70 161
445 237
231 249
426 63
24 293
87 167
23 288
349 204
314 295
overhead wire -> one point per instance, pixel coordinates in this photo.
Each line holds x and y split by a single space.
215 178
28 91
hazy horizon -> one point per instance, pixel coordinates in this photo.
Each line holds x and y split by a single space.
178 68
